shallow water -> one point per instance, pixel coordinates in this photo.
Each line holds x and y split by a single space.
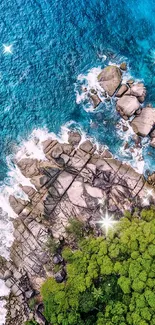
53 43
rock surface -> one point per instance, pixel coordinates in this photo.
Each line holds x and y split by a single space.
95 100
74 189
74 138
121 90
143 124
127 105
110 78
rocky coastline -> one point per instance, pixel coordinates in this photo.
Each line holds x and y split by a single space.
73 181
129 97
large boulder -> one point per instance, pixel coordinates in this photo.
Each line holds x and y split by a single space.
143 123
110 78
121 90
17 204
127 105
29 167
138 90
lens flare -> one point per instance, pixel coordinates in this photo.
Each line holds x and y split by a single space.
7 49
107 222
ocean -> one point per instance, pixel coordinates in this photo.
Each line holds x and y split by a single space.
57 46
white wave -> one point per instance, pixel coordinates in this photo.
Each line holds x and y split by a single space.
88 81
3 312
4 292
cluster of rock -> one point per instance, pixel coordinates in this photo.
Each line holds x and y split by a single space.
17 280
72 182
129 96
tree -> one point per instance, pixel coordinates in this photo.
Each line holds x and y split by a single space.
109 281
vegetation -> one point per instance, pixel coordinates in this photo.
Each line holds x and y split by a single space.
109 281
75 228
52 245
32 303
31 322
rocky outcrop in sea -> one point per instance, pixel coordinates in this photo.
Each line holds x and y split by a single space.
129 97
74 181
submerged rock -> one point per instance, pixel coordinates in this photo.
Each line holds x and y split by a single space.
143 124
110 78
127 105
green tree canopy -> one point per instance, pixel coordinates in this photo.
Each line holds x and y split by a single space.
109 281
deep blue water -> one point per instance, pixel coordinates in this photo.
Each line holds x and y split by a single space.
53 42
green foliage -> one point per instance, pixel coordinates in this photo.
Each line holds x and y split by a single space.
109 281
75 228
32 303
31 322
52 245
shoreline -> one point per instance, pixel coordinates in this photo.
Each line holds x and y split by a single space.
73 165
72 182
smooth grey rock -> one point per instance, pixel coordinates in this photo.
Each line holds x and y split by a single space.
138 90
143 124
67 148
74 138
110 78
29 167
75 193
127 105
57 259
86 146
17 275
56 151
60 276
29 293
7 274
121 90
17 204
95 99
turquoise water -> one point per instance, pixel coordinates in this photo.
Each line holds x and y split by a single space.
52 43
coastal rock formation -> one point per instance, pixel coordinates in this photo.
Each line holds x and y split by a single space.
127 106
76 183
110 78
137 90
143 124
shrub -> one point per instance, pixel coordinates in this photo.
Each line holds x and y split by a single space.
109 281
75 228
52 245
31 322
32 303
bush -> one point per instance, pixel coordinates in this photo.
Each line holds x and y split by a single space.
75 228
32 303
109 281
31 322
52 245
